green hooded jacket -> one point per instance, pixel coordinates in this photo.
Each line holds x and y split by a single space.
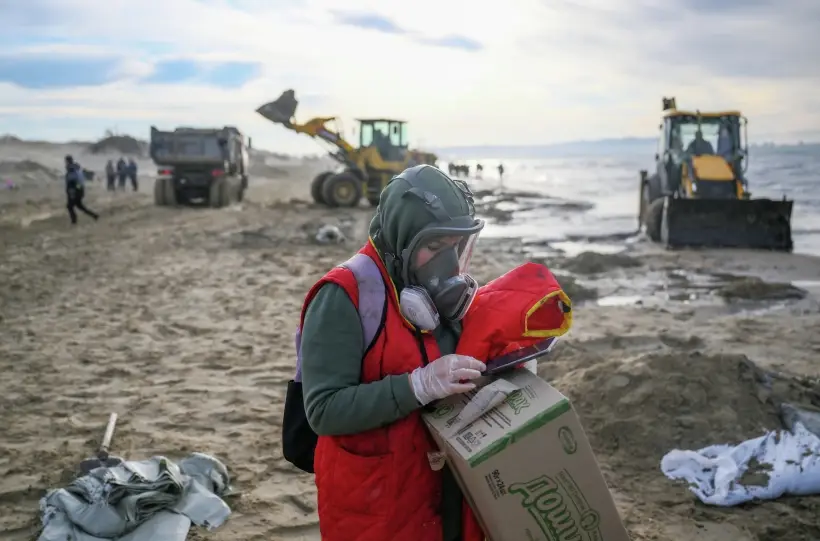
336 402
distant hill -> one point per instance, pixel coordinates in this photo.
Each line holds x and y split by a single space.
644 146
629 145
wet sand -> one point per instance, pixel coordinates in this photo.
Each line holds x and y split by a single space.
182 320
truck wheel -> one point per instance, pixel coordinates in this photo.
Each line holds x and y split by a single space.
226 193
159 192
217 193
170 193
240 195
317 185
342 190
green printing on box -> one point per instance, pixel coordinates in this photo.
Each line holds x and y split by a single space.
546 416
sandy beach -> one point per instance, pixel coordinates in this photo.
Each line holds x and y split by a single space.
181 320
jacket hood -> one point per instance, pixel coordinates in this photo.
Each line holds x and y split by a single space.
399 219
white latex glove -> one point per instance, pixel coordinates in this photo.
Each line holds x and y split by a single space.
444 376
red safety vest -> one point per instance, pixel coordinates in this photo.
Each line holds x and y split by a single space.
379 485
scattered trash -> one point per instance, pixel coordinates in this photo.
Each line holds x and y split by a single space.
763 468
139 501
330 234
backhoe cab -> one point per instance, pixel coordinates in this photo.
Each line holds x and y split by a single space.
383 152
698 194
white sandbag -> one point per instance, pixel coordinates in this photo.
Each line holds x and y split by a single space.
771 466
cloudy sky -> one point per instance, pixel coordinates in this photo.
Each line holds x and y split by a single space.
463 72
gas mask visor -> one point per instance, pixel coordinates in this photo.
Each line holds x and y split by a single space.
457 234
452 248
435 263
438 262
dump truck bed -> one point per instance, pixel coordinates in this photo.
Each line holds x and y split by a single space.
728 223
190 146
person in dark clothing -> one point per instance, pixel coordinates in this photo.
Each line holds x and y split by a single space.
122 173
131 169
75 190
699 146
111 176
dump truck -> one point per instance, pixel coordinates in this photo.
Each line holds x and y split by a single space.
200 165
698 195
383 152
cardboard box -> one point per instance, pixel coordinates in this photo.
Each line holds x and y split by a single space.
524 462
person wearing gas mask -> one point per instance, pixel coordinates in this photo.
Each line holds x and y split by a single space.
364 401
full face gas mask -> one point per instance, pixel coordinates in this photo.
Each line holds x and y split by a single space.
439 285
434 265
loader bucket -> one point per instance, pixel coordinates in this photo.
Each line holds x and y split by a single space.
282 109
731 223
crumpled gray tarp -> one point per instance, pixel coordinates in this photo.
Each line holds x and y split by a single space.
138 501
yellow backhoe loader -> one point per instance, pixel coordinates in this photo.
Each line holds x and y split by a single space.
698 195
382 153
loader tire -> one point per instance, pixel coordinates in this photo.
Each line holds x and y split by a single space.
664 232
654 218
317 185
342 190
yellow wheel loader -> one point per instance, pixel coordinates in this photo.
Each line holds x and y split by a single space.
698 195
383 152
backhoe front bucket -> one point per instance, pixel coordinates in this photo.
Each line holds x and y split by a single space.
732 223
281 110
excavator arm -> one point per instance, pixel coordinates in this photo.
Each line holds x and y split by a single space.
282 111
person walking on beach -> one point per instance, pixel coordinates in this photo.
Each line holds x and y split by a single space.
122 173
501 174
131 169
110 176
75 190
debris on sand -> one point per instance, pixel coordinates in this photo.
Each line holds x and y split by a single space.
328 231
330 234
595 263
637 409
119 144
752 288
